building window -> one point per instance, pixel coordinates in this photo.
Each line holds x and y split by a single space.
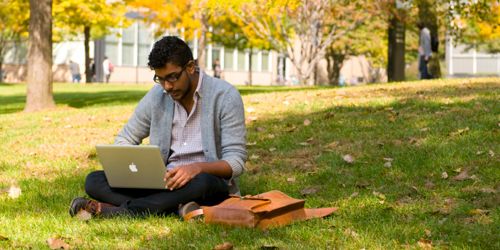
228 59
241 60
145 40
128 39
112 48
265 61
255 61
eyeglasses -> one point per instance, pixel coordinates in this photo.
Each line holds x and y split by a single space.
171 78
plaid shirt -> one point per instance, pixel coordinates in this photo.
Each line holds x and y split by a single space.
186 133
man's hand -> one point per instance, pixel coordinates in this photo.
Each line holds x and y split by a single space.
181 175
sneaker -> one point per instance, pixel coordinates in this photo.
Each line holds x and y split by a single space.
80 203
187 208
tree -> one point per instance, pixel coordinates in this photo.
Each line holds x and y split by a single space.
13 26
475 23
39 91
300 29
189 18
367 39
93 18
229 33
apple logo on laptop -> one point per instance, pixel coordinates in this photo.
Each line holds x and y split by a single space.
133 167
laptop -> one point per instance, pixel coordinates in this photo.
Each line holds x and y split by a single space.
128 166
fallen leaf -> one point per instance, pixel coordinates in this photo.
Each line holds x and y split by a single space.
332 145
479 152
57 243
251 143
362 184
444 175
290 179
307 122
350 232
14 192
460 131
491 153
224 246
290 129
353 195
388 164
250 109
429 184
458 170
479 211
3 238
424 244
260 129
427 232
464 175
83 215
308 191
388 159
254 157
379 195
304 144
424 129
348 158
488 190
286 103
270 136
272 149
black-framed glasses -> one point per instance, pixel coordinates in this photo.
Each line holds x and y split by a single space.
171 78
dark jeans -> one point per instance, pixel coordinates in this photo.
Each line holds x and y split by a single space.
423 69
205 189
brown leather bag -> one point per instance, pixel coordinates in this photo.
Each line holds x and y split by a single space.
270 209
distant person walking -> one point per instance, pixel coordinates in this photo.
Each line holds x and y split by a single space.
424 51
217 69
75 72
107 68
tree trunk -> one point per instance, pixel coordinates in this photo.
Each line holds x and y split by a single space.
396 49
427 15
250 80
88 70
39 90
335 61
202 43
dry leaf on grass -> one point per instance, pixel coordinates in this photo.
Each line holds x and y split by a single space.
348 158
251 143
425 244
308 191
290 179
388 164
491 153
14 192
57 243
464 175
3 238
254 157
460 131
260 129
444 175
350 232
224 246
427 232
83 215
307 122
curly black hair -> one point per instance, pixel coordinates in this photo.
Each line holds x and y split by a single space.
169 49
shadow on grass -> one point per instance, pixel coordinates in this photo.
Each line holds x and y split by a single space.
82 99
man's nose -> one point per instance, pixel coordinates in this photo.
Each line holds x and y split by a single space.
167 85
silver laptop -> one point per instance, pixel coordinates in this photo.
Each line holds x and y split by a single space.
132 166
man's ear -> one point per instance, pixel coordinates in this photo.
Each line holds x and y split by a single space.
191 67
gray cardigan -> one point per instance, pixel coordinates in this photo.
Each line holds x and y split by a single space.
222 124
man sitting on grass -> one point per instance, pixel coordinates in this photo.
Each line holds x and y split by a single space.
198 123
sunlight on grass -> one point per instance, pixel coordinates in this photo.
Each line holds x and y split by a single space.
297 137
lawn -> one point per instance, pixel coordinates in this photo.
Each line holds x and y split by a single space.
410 165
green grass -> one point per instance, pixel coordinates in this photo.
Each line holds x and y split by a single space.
427 128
